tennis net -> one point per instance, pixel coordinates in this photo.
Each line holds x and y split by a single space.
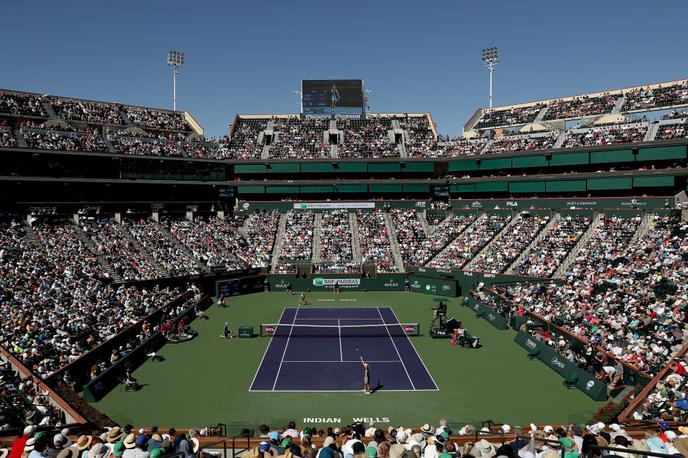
334 330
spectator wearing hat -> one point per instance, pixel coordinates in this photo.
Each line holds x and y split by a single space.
69 452
155 441
194 442
83 444
59 442
135 446
99 450
483 449
39 446
19 443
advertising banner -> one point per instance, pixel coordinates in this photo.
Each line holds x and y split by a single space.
585 381
487 313
433 286
332 205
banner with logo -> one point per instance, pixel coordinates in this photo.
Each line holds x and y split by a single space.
585 381
340 282
487 313
643 203
331 205
383 282
433 286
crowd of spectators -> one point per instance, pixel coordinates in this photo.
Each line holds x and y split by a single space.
467 245
507 246
54 305
543 258
364 441
652 98
462 147
374 239
126 258
161 246
366 138
675 114
22 400
624 295
420 135
89 112
523 142
149 118
509 117
336 250
671 131
167 145
51 139
608 135
213 241
300 139
445 232
668 400
297 242
578 107
244 141
7 137
260 232
409 232
22 104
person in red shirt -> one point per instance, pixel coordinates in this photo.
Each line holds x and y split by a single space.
20 442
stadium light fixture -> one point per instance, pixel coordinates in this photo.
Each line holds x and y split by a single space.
490 58
299 99
176 60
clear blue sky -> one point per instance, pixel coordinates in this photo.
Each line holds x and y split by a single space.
247 56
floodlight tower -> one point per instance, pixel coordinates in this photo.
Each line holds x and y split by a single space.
490 59
176 60
299 99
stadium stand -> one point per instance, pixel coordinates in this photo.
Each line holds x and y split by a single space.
367 138
613 284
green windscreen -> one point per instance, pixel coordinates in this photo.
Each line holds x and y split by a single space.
605 157
564 186
609 183
530 161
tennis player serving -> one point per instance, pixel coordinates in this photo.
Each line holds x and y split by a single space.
366 376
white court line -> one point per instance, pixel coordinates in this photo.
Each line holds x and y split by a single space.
336 361
421 359
339 331
331 391
395 347
325 319
264 353
285 350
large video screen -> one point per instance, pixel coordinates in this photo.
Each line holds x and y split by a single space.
332 97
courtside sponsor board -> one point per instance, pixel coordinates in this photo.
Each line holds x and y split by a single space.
341 282
331 205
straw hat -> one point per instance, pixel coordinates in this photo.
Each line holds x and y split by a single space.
83 442
130 441
69 452
681 445
485 448
114 435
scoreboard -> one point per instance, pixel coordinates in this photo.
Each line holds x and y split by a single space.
332 97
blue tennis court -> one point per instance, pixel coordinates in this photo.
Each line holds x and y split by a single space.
318 349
